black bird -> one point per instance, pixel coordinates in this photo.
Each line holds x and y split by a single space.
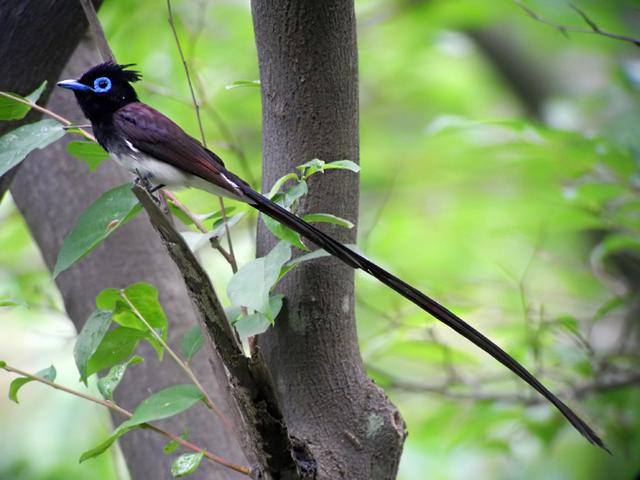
157 150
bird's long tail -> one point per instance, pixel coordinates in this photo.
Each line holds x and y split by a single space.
355 260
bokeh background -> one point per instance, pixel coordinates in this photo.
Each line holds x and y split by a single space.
499 173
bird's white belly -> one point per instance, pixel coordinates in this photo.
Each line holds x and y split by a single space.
157 172
161 173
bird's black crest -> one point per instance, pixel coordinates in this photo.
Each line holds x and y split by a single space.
113 70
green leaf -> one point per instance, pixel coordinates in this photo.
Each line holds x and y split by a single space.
319 253
108 383
92 333
144 298
243 83
18 383
279 183
35 95
251 285
171 446
92 153
343 165
192 342
327 218
309 168
13 110
104 446
162 404
17 144
108 213
257 323
166 403
293 193
116 347
253 324
6 302
3 364
283 233
186 463
316 165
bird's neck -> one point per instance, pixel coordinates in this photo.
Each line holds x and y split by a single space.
104 130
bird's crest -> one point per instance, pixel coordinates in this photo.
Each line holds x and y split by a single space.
112 70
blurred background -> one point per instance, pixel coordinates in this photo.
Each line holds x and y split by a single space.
499 173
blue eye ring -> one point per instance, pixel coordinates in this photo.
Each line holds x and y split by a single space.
101 85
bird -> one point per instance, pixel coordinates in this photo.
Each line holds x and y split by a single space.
161 154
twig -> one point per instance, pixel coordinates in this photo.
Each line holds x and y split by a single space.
96 31
179 361
232 257
199 225
115 407
629 379
564 29
53 115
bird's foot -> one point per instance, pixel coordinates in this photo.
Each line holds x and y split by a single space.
143 181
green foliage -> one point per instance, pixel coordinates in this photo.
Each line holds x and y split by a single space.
17 144
251 285
116 347
111 380
108 213
13 110
186 463
192 342
327 218
92 153
455 204
163 404
173 445
89 338
18 383
243 83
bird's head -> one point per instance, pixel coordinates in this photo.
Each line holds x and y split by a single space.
103 89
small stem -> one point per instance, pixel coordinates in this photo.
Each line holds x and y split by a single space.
179 361
200 226
53 115
186 71
115 407
97 31
232 258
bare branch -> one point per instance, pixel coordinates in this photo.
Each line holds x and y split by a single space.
196 105
445 389
564 29
117 408
266 436
96 31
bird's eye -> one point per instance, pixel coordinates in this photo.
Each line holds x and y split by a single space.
101 85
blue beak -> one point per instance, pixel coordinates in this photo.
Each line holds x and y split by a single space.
74 85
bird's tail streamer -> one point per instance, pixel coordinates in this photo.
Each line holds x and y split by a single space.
355 260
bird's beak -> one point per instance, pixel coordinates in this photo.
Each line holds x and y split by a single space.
74 85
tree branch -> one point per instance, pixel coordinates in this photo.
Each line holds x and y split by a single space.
117 408
96 31
445 389
266 437
565 29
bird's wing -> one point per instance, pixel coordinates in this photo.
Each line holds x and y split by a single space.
154 134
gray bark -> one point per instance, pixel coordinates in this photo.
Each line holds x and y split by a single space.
308 69
51 189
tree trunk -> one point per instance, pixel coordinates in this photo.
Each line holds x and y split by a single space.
51 189
308 70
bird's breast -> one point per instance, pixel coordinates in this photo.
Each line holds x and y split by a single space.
157 172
